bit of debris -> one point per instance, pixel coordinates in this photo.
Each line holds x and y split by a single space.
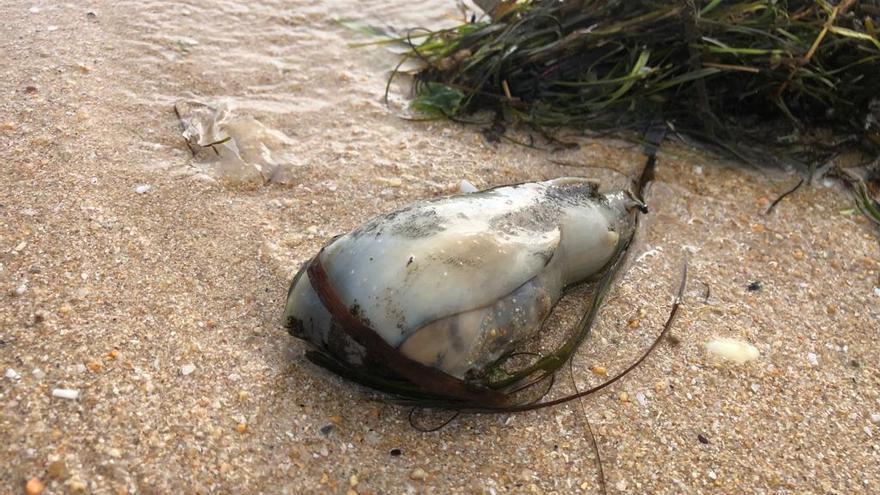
733 350
65 393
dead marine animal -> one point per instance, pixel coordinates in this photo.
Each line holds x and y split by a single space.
426 302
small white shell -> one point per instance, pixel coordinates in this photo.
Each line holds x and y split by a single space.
733 350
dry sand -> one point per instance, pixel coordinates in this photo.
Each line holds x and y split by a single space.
160 305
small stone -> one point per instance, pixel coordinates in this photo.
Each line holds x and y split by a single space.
702 438
877 291
813 359
623 397
57 470
114 453
755 387
94 366
326 429
599 370
641 399
241 427
733 350
353 481
77 486
187 369
754 286
20 290
711 474
312 229
142 189
65 393
12 374
395 182
418 474
661 386
38 373
65 309
34 487
634 323
798 254
875 418
621 485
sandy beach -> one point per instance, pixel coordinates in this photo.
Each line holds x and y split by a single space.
144 279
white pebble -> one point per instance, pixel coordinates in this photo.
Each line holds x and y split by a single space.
813 359
65 393
187 369
143 188
12 374
712 475
755 388
465 187
733 350
641 399
39 374
875 418
20 290
51 28
877 291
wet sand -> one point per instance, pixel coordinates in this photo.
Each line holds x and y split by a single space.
134 274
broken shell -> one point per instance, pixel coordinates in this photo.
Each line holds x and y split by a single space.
451 285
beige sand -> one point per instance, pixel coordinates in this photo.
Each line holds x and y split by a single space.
161 308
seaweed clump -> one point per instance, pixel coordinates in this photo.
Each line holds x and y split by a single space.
796 78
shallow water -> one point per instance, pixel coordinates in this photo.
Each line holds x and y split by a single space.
127 260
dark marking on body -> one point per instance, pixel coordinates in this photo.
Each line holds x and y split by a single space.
419 223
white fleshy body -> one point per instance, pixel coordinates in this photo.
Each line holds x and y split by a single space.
455 282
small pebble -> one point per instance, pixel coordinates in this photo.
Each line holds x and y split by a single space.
38 373
877 291
418 474
65 393
34 487
733 350
813 359
187 369
754 286
661 386
712 475
599 370
326 429
702 438
755 387
353 481
12 374
241 427
623 397
875 418
143 188
641 399
57 470
621 485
